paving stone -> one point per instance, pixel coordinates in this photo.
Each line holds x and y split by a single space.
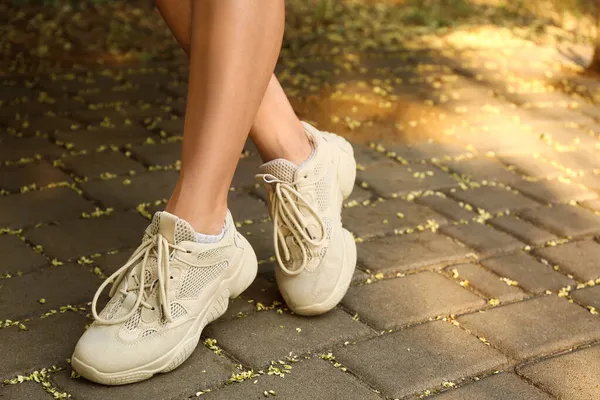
437 352
110 262
93 164
245 172
447 207
260 237
535 327
41 174
483 238
553 191
28 125
17 256
405 253
531 274
486 283
366 156
522 230
95 138
588 296
25 390
312 379
564 220
429 150
245 207
577 258
496 387
577 162
46 342
202 369
390 178
262 292
393 303
14 148
20 296
532 165
569 376
157 154
383 217
480 169
493 199
41 206
258 339
81 237
358 195
127 193
593 205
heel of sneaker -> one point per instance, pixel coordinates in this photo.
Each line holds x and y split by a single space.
247 272
346 168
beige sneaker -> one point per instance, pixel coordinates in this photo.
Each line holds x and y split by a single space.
316 256
162 298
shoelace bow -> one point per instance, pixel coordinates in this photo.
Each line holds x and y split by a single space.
157 246
285 211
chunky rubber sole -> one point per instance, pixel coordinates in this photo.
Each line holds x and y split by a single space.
346 179
228 289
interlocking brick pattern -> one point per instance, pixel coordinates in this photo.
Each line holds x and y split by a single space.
477 262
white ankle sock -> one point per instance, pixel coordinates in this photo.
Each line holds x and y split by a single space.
203 238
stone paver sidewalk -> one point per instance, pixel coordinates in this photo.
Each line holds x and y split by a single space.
478 255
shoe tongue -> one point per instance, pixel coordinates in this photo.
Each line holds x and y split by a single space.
281 169
173 228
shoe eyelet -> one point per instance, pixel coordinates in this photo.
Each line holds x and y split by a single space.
170 277
153 308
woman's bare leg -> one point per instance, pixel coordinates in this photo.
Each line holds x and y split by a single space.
233 48
276 130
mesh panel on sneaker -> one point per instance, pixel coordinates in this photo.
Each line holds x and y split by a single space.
177 310
112 307
215 253
133 321
281 169
196 278
148 332
184 232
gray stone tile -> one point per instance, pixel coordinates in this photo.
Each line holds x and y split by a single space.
564 220
40 173
95 163
577 258
436 352
17 256
23 391
202 369
532 166
483 238
388 216
429 150
14 148
93 139
245 172
493 199
245 207
482 169
366 156
59 286
522 230
260 237
534 327
49 341
588 296
157 154
447 207
312 379
554 191
81 237
258 339
127 193
496 387
41 206
531 274
390 178
393 303
569 376
485 282
404 253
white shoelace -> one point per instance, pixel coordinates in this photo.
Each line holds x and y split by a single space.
284 211
157 246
